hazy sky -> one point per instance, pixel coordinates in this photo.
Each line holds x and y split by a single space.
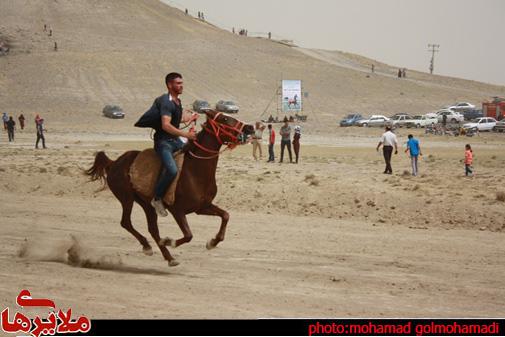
471 33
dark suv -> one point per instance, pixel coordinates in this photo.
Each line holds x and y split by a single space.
472 114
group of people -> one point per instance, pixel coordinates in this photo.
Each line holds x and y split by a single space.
389 142
285 133
50 34
271 119
10 127
402 73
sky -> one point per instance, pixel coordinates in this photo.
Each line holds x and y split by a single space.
471 33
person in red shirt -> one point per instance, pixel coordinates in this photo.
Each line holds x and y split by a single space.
468 160
271 142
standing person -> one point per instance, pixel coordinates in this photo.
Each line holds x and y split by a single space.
415 151
37 119
5 118
404 72
388 140
186 11
373 68
256 141
40 134
11 125
166 138
286 140
296 142
271 143
55 46
399 73
468 161
21 119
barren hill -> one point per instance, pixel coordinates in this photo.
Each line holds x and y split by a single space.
117 52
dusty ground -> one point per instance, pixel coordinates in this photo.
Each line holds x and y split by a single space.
331 236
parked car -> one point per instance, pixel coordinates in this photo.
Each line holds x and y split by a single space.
461 106
113 111
350 120
481 124
500 126
421 121
201 106
374 120
472 114
400 120
452 116
227 106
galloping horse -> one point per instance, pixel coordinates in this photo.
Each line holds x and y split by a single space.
196 187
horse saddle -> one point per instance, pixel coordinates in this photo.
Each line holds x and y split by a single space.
145 170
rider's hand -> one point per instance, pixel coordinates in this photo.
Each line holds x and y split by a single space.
191 134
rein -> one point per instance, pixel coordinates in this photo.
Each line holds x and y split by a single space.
219 130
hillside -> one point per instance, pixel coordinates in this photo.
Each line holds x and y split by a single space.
117 52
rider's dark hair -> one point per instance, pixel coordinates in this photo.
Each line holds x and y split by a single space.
172 76
410 136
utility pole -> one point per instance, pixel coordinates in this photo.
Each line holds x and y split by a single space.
433 50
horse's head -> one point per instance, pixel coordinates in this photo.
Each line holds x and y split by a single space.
227 129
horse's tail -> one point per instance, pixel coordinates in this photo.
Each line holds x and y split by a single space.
100 168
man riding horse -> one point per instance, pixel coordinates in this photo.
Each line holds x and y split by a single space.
166 138
131 173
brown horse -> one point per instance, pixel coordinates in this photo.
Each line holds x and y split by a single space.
195 190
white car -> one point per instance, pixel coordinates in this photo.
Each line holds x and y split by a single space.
400 120
452 116
421 121
374 120
481 124
462 106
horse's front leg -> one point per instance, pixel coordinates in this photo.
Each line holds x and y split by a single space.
216 211
181 220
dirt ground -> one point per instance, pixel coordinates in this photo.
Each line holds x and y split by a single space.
331 236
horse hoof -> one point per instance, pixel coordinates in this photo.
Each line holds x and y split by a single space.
209 245
173 263
168 242
148 251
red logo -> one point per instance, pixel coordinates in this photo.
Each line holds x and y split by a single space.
59 322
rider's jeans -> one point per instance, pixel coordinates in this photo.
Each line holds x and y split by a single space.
165 149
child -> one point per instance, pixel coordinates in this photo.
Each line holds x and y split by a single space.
468 160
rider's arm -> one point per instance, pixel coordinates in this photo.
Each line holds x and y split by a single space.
169 128
188 116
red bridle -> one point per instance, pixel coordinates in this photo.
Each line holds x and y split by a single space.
219 131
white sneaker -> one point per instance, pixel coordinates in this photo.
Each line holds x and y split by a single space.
159 207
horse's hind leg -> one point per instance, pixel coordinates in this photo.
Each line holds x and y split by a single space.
152 224
126 223
216 211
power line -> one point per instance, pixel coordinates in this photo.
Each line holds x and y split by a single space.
433 50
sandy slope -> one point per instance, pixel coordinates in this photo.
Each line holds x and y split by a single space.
117 52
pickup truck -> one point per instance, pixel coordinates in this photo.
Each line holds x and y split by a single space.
421 121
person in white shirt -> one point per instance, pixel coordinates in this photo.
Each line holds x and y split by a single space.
256 141
388 140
